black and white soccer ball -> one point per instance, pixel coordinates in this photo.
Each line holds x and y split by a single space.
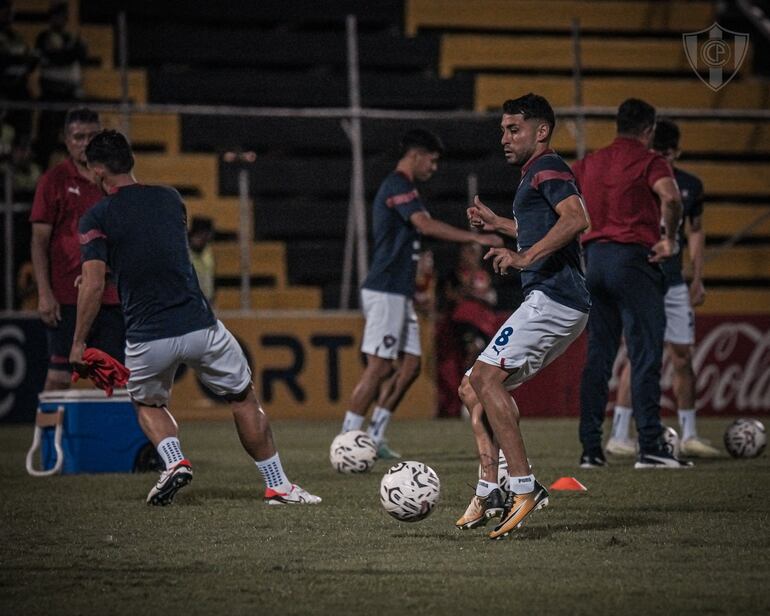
353 452
671 440
409 491
745 438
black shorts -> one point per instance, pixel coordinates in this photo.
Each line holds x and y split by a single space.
108 334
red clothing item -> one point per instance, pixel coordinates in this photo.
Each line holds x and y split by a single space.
104 370
616 183
61 198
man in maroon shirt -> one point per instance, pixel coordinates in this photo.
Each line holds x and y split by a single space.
627 188
63 195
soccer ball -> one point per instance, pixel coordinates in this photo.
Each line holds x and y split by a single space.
671 439
745 438
353 452
409 491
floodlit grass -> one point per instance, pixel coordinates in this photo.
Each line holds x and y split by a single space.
638 542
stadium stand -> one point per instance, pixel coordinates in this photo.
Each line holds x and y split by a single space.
414 54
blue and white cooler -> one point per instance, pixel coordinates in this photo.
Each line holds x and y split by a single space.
84 431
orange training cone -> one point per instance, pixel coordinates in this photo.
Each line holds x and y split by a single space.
568 483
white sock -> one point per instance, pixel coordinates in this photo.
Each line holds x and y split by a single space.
272 471
352 421
485 488
621 422
378 424
170 451
687 423
521 485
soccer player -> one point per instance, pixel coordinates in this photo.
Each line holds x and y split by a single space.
139 232
62 196
678 305
627 188
548 216
391 339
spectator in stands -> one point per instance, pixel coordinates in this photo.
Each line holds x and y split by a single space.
139 232
61 55
680 318
202 255
627 188
391 338
17 61
63 195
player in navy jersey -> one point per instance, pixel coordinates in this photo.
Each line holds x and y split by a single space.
548 216
391 340
680 319
139 234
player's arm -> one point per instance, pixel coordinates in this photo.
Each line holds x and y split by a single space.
427 225
484 219
90 294
671 208
47 306
696 241
573 220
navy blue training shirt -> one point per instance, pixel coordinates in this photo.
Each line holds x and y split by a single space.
396 240
545 182
691 189
140 232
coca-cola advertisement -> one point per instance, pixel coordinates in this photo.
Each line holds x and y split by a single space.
731 360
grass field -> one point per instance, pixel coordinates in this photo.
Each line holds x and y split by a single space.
638 542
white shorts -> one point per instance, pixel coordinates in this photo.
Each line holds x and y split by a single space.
538 332
680 319
213 353
391 325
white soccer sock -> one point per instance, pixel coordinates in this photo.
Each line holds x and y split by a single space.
170 451
352 421
687 423
378 424
272 471
521 485
621 422
485 488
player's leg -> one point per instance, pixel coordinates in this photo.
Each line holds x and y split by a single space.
377 371
619 443
489 498
153 366
59 345
217 358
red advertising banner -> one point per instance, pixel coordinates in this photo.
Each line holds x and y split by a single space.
731 361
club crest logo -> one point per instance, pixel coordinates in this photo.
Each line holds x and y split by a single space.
717 52
389 341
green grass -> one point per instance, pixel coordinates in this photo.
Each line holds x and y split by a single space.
638 542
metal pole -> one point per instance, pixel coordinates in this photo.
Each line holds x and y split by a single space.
244 237
356 139
347 262
580 135
9 252
473 187
125 103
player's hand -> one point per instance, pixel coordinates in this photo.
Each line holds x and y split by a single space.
661 251
49 309
78 280
697 293
503 259
76 358
480 216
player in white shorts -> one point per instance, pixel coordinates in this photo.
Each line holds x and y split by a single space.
548 216
391 338
680 318
139 231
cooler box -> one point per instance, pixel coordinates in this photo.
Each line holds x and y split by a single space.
84 431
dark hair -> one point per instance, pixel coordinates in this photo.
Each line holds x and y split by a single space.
531 106
111 149
666 136
421 139
81 114
635 116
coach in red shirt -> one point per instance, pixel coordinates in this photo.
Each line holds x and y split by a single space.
627 189
62 196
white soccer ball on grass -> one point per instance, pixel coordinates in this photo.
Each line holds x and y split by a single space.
745 438
353 452
409 491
